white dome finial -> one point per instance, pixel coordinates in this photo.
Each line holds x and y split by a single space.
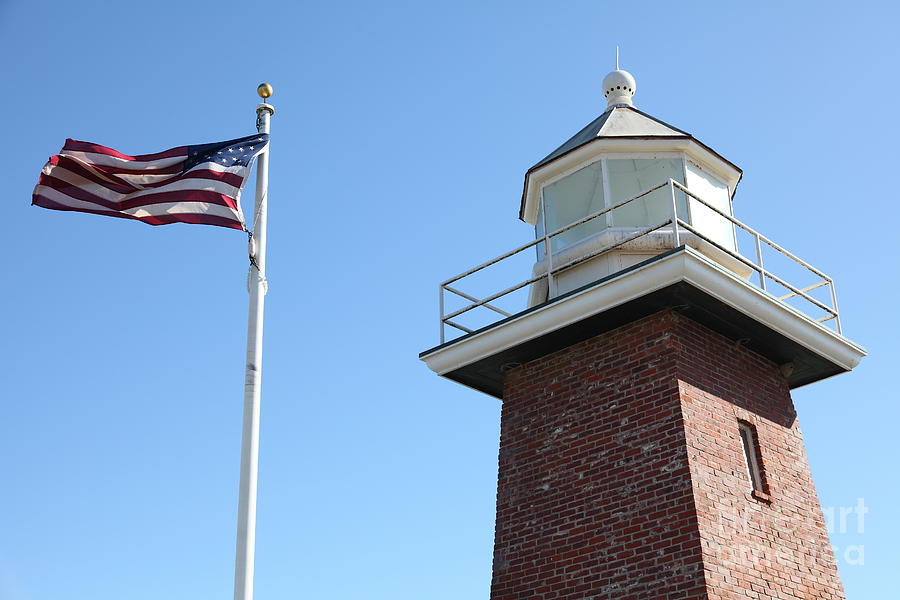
619 86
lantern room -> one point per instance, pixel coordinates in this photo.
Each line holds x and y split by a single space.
623 174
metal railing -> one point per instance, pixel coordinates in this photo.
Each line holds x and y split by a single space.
678 227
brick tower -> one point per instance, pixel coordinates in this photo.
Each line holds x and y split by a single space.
649 445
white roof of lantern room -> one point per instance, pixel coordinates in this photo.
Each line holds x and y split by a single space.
620 129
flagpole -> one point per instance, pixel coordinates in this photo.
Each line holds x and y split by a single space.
246 522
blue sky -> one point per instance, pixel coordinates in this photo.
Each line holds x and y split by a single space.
402 135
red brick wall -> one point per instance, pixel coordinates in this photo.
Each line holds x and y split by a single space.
622 474
752 548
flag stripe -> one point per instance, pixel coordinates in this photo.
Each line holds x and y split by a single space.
168 171
77 172
185 203
125 184
112 161
80 194
112 194
232 179
150 181
75 145
197 218
74 191
214 166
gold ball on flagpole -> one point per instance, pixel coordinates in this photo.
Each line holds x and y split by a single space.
264 90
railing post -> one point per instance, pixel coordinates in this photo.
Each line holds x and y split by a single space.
551 282
441 309
548 252
759 261
674 213
837 316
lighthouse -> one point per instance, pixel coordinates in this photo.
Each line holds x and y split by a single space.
644 352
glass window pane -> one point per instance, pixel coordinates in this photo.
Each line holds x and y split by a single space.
572 198
629 177
715 193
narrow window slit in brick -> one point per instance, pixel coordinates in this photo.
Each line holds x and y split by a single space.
751 457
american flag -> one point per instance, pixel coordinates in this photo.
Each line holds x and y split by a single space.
188 184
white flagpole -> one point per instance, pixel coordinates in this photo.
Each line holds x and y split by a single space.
246 525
